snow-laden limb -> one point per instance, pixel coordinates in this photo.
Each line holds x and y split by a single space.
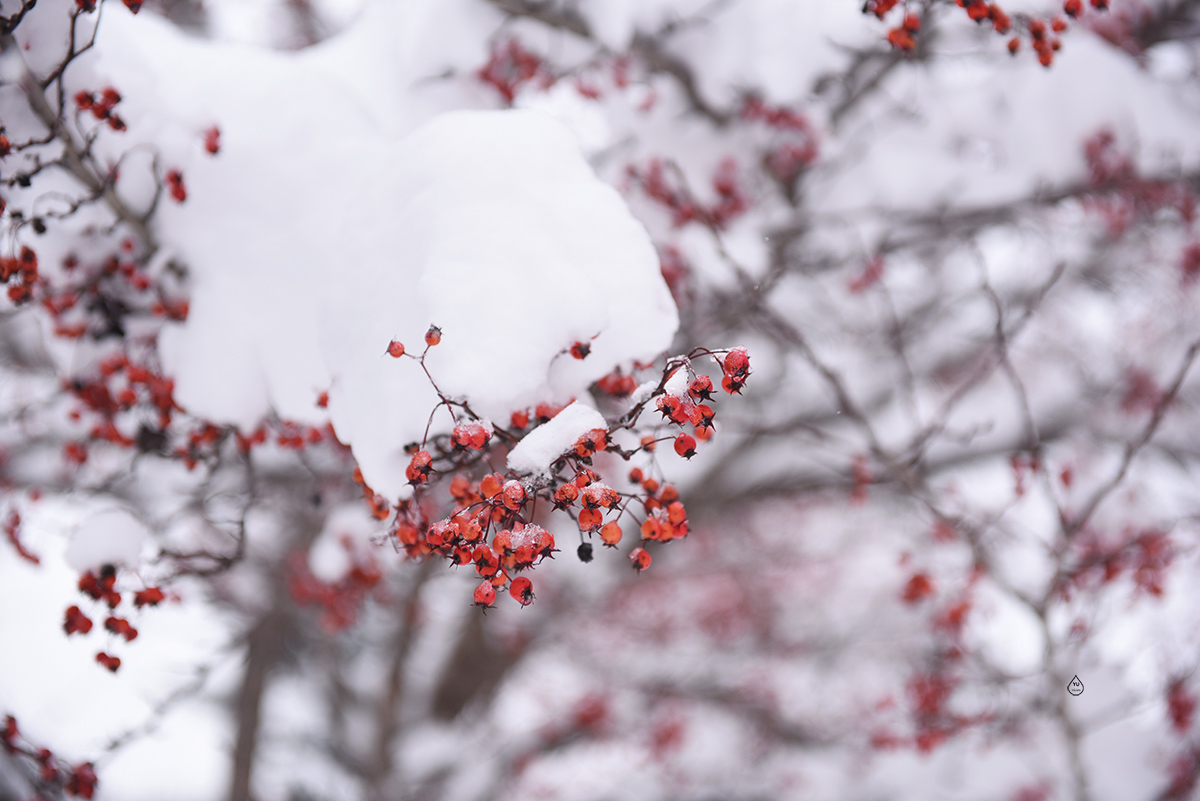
538 449
489 224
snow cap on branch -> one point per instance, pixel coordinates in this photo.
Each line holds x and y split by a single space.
540 447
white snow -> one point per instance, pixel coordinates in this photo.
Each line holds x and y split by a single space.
677 384
540 447
108 537
489 224
644 391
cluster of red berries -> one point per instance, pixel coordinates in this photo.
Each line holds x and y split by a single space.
493 524
24 268
102 106
511 67
174 179
731 201
904 37
1121 196
78 781
1042 33
1144 556
102 587
338 601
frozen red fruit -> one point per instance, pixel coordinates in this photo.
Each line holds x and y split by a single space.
640 559
685 445
485 594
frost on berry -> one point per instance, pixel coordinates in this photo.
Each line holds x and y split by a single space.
419 468
513 495
472 436
640 559
485 594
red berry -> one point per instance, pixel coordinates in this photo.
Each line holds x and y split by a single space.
919 587
610 534
175 183
732 385
473 436
82 782
151 596
737 363
491 485
1000 20
110 662
669 406
592 441
485 594
212 140
1073 8
419 468
121 626
901 39
590 519
433 336
566 495
513 495
597 496
702 416
685 445
487 564
580 350
522 591
395 349
76 622
701 388
640 559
